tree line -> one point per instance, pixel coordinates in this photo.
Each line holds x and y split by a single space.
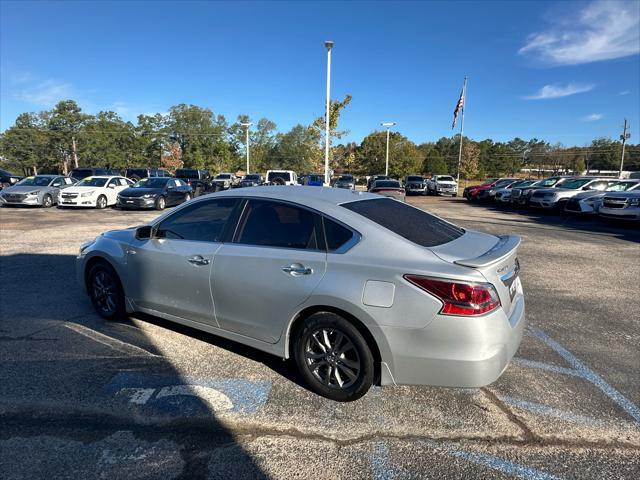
190 136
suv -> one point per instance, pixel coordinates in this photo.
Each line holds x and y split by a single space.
589 202
441 185
415 185
139 173
346 181
522 195
82 173
197 179
557 197
282 177
224 181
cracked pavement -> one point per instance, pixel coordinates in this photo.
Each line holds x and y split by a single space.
84 398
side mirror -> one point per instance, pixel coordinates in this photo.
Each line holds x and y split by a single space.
143 232
111 186
586 188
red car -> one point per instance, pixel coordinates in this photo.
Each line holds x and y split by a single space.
471 193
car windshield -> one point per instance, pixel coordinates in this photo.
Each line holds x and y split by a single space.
38 181
489 182
548 182
151 183
575 183
136 172
186 173
621 186
223 176
504 183
92 182
316 178
386 184
345 178
286 176
414 178
251 177
526 183
445 179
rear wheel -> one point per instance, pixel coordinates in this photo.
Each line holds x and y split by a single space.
105 291
101 202
47 201
333 357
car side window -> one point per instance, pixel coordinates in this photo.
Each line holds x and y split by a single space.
58 182
272 224
599 185
113 182
68 181
201 221
335 234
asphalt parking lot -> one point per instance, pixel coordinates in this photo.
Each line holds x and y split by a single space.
81 397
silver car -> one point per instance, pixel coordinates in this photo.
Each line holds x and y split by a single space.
356 288
41 190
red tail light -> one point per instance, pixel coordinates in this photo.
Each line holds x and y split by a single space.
459 298
387 189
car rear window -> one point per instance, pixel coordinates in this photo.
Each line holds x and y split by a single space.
186 173
409 222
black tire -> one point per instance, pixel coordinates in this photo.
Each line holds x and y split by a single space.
323 365
454 195
101 202
278 181
105 291
160 203
47 201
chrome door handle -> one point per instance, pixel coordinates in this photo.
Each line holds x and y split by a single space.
296 269
199 260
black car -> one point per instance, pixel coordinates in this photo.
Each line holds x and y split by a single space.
251 180
7 179
155 192
82 173
138 173
199 180
376 177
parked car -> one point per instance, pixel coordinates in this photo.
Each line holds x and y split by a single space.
282 177
442 185
313 180
345 181
487 194
98 192
376 177
138 173
403 297
415 185
621 206
251 180
7 179
224 181
503 195
471 192
155 192
82 173
198 180
589 202
550 198
388 188
39 190
522 195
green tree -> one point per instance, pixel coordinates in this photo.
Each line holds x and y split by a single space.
24 145
152 137
297 150
107 140
404 156
434 164
262 140
469 166
64 123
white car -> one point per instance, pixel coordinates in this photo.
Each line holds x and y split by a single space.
442 185
97 192
282 177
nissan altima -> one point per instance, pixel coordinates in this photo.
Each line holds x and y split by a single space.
356 288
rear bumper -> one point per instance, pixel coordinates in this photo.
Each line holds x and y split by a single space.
456 351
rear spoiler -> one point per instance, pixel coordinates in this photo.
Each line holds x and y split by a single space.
506 244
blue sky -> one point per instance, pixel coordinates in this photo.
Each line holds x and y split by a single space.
565 72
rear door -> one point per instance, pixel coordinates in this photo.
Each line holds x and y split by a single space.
276 261
171 272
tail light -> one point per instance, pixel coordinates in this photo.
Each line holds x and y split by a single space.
459 298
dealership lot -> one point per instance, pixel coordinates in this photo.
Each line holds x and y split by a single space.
88 398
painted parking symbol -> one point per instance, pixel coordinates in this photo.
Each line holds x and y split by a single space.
175 396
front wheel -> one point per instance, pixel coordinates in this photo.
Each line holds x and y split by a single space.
47 201
161 203
105 291
101 202
333 357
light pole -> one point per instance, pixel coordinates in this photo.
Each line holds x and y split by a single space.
246 126
624 137
388 125
329 45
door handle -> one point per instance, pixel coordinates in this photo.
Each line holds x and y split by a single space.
198 260
297 269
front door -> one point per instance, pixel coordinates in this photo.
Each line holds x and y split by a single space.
273 266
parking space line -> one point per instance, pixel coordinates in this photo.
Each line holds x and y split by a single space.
551 412
113 343
590 375
546 366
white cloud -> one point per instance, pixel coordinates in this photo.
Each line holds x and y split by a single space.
603 30
558 90
594 117
46 93
624 92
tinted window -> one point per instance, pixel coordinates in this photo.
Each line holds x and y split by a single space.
273 224
411 223
186 173
283 175
202 221
414 179
446 179
335 234
386 184
81 173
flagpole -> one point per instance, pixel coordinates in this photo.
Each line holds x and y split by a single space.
464 104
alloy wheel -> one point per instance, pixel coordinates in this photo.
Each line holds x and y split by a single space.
105 292
102 202
332 358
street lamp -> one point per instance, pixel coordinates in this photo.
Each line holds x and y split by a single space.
388 125
329 45
247 125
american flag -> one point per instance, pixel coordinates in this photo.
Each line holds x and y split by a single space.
459 107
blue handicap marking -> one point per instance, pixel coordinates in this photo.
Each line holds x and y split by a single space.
175 395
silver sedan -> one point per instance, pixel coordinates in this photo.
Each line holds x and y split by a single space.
357 288
39 190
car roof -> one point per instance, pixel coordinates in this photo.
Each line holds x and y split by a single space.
316 197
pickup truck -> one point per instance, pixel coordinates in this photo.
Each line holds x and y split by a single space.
442 185
224 181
